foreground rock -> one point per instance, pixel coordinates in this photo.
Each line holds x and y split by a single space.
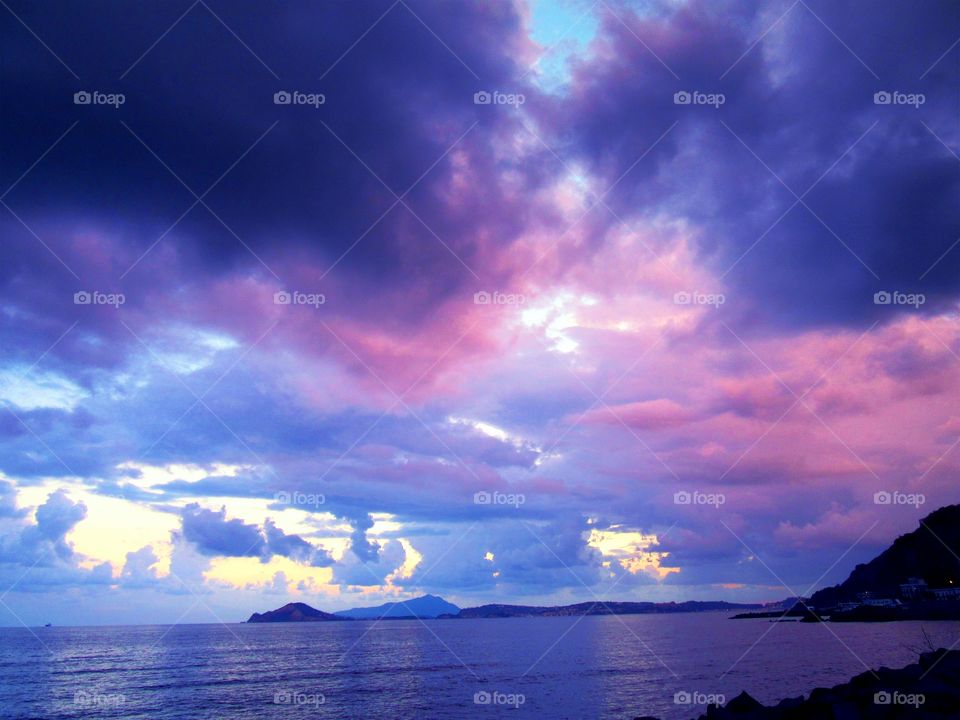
926 690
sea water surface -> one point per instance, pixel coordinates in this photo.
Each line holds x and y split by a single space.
564 667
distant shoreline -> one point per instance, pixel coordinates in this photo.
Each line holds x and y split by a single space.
457 617
926 612
301 612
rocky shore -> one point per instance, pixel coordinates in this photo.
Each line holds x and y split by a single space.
926 690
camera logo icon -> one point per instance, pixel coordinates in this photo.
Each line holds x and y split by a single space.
682 698
82 298
882 698
682 97
682 498
482 498
882 498
481 298
282 297
898 97
282 97
482 697
85 97
882 298
482 97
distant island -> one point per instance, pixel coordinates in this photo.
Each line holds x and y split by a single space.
916 578
434 607
426 606
294 612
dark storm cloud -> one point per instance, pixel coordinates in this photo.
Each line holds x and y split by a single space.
799 113
214 535
370 570
528 558
395 103
44 542
293 547
365 549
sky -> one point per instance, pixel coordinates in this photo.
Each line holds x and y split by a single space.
530 302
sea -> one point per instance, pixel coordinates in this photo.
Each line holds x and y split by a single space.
667 666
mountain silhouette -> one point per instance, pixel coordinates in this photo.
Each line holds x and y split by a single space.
293 612
931 552
426 606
